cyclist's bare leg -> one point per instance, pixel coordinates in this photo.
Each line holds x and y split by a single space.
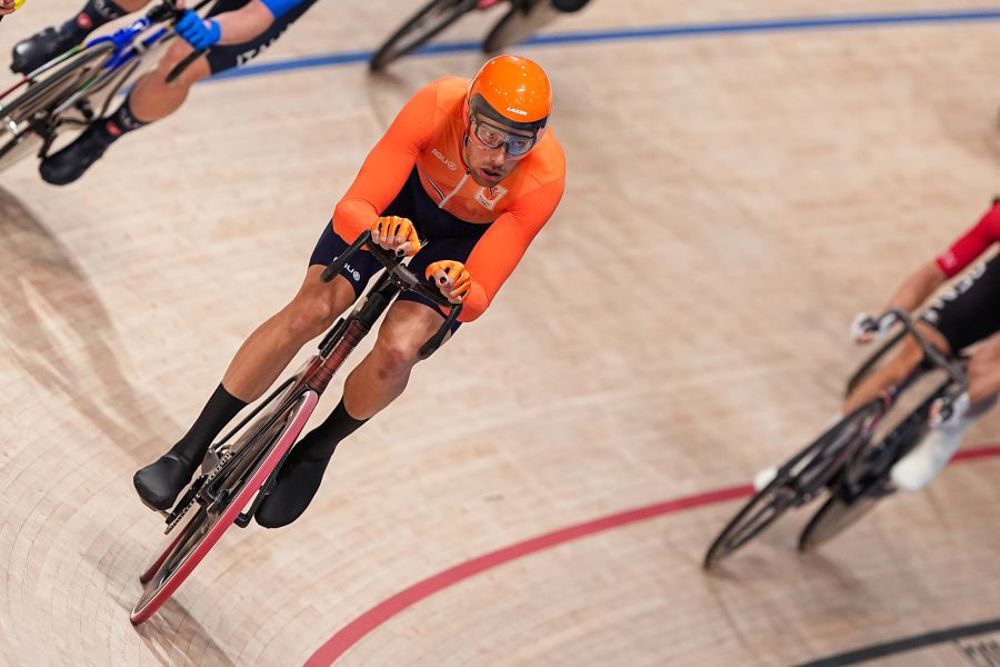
383 374
906 359
130 6
984 372
272 345
153 98
256 365
380 377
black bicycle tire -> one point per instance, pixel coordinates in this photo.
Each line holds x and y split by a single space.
725 543
731 538
385 54
496 39
33 93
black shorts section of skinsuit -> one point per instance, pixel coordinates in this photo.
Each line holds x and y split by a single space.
221 58
444 237
969 310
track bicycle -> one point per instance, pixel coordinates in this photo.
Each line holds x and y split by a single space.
851 459
437 15
241 469
77 87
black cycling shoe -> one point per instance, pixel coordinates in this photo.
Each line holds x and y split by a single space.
297 483
72 161
159 483
31 53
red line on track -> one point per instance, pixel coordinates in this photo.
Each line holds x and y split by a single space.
356 630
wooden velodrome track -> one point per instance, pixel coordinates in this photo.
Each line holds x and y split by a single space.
734 197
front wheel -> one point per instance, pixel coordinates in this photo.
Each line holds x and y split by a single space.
798 481
26 121
420 29
212 518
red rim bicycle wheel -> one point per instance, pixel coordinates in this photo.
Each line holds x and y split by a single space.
200 533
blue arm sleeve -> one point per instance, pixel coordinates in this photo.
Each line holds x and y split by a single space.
279 8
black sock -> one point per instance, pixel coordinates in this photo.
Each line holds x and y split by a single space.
120 122
93 15
219 411
319 443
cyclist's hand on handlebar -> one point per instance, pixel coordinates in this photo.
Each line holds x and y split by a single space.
396 235
865 328
452 278
200 34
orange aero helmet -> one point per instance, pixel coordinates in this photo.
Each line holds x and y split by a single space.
513 91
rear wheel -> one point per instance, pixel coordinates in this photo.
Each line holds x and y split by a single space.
518 25
26 120
835 515
864 480
797 481
220 503
420 29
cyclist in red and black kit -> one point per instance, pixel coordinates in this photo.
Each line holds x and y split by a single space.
235 32
963 315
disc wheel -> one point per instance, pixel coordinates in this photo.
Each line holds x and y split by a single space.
234 489
863 482
796 482
25 121
833 517
518 25
434 17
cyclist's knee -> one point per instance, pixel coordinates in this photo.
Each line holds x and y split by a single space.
987 354
176 54
395 354
307 317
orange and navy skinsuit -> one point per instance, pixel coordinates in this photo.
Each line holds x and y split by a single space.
427 137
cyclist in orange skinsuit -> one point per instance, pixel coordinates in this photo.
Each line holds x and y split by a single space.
462 182
426 141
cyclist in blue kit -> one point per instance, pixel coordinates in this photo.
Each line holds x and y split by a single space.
235 32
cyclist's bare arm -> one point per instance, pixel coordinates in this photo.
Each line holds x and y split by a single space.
245 23
505 242
918 287
386 168
922 284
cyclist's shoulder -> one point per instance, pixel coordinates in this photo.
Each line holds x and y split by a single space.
447 92
547 163
990 222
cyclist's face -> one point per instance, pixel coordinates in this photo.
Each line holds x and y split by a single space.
488 166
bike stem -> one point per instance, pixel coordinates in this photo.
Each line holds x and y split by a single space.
958 377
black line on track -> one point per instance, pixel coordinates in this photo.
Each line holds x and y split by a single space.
906 644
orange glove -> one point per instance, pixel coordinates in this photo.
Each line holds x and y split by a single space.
452 278
396 234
